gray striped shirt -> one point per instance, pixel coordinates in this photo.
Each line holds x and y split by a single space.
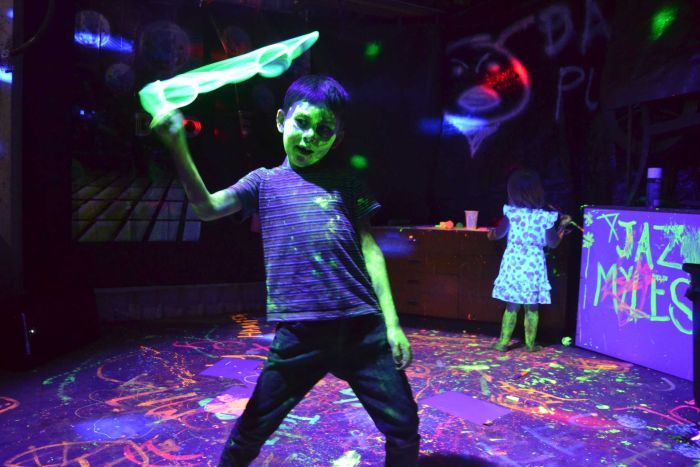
309 219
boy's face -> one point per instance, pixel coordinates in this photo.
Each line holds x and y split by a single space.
308 132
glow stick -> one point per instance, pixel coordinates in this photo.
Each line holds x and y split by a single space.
160 98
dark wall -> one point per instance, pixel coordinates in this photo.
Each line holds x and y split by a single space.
47 89
589 93
392 90
444 110
522 87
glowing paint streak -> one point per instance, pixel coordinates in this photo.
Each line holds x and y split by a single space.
690 246
78 453
7 404
160 98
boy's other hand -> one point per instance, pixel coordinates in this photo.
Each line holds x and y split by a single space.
400 347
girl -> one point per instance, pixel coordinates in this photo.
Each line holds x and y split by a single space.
522 279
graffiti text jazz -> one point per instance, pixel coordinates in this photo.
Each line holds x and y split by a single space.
643 280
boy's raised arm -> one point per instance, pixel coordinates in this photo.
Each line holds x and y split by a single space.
207 206
376 267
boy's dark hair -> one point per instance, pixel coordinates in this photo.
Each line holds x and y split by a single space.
321 90
525 189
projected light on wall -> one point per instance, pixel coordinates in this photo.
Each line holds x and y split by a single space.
662 20
5 75
632 302
359 162
372 50
92 30
113 44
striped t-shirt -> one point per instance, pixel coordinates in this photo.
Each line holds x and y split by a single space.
314 265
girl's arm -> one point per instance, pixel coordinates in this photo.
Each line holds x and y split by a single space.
500 230
556 233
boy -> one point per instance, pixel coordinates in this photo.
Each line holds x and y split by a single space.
327 285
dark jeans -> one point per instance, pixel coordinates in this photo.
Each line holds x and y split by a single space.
353 349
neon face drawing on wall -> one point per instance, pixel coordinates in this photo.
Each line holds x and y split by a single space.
487 86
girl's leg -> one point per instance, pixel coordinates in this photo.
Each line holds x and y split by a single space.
532 318
510 317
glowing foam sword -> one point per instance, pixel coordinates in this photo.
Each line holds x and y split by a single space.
159 98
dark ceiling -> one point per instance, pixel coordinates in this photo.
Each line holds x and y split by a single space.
380 9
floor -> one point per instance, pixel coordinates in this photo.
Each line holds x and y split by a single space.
165 393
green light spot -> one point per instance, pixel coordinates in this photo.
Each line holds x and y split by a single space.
359 162
662 20
603 407
372 50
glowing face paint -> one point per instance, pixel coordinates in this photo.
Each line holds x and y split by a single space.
308 133
159 98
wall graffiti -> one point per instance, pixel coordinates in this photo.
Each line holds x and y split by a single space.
489 82
632 302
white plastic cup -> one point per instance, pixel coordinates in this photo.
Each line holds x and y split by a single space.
470 218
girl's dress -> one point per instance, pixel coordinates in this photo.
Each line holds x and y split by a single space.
523 278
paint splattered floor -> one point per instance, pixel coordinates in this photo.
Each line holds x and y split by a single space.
166 394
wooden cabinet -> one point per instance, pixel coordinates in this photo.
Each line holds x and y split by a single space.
450 273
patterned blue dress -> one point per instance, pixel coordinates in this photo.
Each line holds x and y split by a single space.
523 275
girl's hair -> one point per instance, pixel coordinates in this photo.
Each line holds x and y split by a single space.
525 189
320 90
